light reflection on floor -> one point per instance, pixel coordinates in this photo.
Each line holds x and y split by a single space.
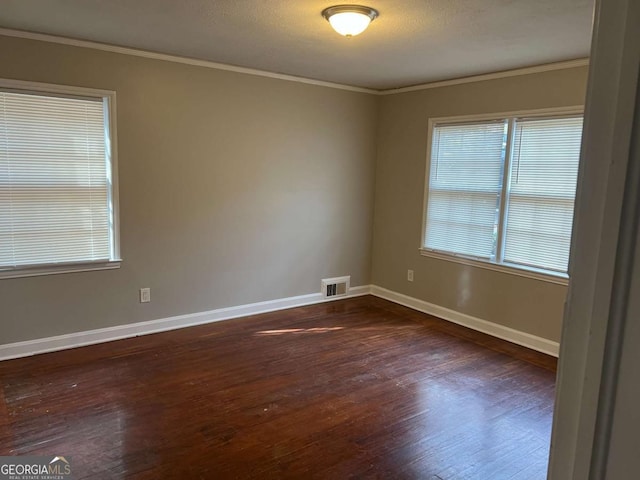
298 330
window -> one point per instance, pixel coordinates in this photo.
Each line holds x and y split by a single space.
58 193
501 191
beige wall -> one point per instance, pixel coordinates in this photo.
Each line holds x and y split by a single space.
233 189
237 189
524 304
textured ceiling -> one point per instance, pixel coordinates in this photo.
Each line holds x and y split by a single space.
412 42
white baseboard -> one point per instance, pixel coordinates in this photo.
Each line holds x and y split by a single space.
515 336
90 337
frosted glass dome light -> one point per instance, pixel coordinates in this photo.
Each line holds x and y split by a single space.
349 20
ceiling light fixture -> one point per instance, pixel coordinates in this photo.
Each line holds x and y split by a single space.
349 20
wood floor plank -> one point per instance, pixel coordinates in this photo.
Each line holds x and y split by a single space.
358 388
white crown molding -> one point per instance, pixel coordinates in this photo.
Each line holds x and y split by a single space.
8 32
119 332
547 67
500 331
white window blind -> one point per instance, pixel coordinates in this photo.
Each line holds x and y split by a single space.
55 180
544 171
502 190
464 187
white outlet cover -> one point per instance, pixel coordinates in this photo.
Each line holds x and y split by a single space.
145 295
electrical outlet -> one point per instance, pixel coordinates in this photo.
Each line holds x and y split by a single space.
145 295
410 275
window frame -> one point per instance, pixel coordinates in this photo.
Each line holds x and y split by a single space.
513 269
109 98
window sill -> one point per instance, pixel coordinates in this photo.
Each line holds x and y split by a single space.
560 278
54 269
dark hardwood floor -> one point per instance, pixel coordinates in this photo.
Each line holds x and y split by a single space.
358 388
